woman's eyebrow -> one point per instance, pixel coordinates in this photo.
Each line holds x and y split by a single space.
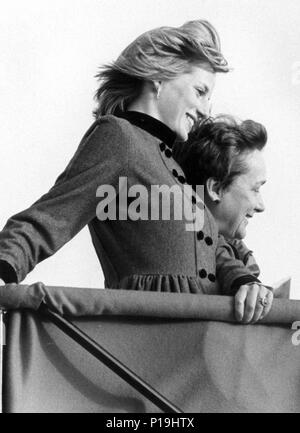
261 182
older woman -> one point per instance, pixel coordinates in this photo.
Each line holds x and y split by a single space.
153 94
226 157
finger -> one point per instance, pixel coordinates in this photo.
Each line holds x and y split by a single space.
262 309
270 297
239 302
259 307
250 303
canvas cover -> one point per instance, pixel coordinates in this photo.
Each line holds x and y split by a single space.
188 347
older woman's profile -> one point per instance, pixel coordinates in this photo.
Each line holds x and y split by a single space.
226 156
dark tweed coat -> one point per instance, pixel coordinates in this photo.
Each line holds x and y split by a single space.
157 255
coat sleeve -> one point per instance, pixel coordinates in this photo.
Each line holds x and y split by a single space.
39 231
231 271
246 256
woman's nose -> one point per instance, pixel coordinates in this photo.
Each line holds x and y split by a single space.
260 206
204 109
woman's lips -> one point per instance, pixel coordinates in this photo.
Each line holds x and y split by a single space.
191 121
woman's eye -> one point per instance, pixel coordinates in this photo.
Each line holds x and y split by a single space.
200 92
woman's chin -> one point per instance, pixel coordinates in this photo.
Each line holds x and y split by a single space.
182 137
240 236
230 235
240 233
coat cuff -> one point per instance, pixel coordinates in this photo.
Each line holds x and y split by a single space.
7 272
244 279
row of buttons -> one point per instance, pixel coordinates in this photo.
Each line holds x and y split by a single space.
168 153
208 239
181 179
166 150
203 274
200 234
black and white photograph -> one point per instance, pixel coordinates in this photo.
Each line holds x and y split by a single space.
150 208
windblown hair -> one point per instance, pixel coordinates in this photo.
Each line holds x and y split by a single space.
159 54
218 149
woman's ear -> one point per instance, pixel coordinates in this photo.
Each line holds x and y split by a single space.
214 189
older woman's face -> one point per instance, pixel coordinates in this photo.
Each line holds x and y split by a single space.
186 99
242 199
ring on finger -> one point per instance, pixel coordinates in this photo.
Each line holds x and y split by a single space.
263 301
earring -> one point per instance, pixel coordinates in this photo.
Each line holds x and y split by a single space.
157 92
157 89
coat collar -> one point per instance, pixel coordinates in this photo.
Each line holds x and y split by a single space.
150 124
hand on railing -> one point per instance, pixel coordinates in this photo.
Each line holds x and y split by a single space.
252 302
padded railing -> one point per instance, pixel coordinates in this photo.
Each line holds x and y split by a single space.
194 316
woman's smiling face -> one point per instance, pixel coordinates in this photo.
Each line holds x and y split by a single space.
242 198
186 99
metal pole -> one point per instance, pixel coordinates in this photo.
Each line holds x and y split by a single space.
110 361
2 343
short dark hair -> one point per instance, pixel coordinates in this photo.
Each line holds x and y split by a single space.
217 149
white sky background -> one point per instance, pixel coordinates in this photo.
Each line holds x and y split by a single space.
49 53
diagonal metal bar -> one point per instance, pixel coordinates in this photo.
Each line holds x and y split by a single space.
2 343
109 360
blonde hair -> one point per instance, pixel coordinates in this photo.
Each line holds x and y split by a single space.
159 54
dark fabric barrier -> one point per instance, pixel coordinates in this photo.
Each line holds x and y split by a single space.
200 365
